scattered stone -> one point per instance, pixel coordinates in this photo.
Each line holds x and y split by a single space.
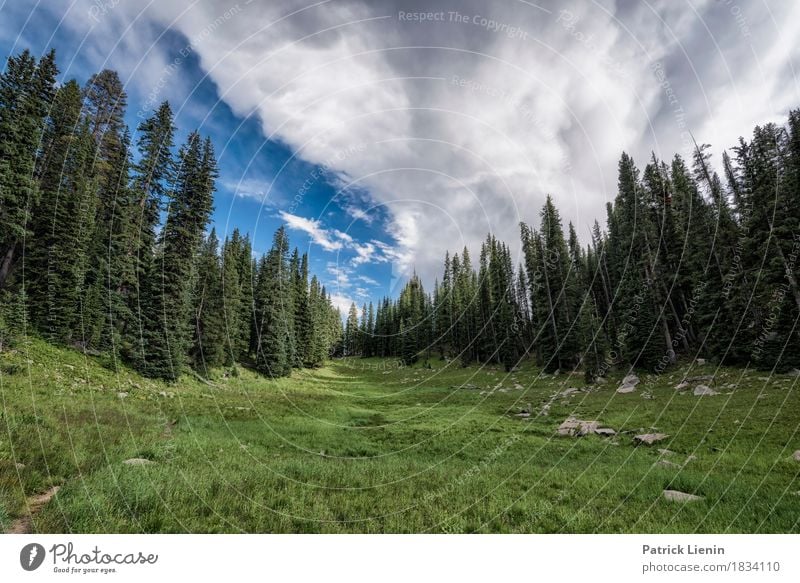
20 466
648 395
122 395
69 366
676 496
681 386
138 461
605 431
577 427
795 372
625 389
162 394
631 379
518 386
703 378
704 391
600 381
523 415
650 438
570 391
663 451
701 361
796 455
668 464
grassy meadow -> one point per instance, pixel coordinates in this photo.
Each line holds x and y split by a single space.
362 445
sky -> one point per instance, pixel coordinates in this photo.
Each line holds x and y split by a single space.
384 133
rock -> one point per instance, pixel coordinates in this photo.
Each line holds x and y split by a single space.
625 389
668 464
663 451
676 496
577 427
523 415
122 395
570 391
794 372
650 438
681 386
138 461
701 361
796 455
20 466
605 431
704 391
518 387
703 378
631 379
600 381
162 394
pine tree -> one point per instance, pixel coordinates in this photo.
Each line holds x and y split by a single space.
167 311
208 309
27 89
274 312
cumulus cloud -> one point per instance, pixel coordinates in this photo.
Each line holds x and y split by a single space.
455 126
330 240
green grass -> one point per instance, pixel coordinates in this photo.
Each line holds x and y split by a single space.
362 446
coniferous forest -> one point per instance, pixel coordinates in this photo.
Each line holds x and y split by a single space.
104 242
104 246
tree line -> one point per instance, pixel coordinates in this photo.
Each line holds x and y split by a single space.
689 264
104 245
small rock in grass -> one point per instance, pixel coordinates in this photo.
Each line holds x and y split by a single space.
122 395
796 455
20 466
523 415
794 372
625 389
701 361
631 379
668 464
600 381
663 451
570 391
704 391
676 496
650 438
605 431
681 386
138 461
577 427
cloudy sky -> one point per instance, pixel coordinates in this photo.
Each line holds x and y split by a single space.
386 132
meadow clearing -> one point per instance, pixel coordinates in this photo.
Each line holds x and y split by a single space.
363 445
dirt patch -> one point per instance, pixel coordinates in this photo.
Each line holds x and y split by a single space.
35 503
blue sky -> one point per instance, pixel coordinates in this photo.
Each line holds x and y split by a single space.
384 138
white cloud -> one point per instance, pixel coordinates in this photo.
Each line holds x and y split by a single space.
467 138
322 237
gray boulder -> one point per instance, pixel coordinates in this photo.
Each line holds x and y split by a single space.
676 496
650 438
